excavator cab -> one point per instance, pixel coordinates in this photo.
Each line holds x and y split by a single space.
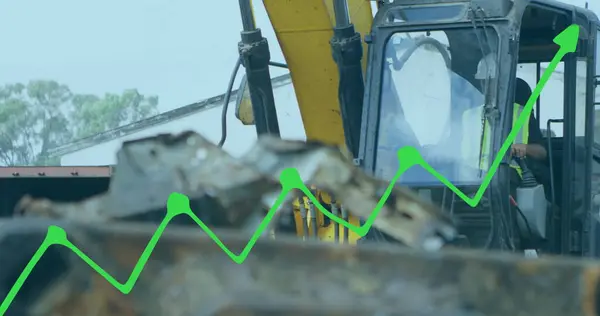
442 77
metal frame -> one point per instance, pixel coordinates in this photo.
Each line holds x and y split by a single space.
568 151
569 244
572 239
283 275
56 172
347 52
589 132
256 57
371 113
594 218
508 28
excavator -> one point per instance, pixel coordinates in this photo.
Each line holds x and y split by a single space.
371 84
407 77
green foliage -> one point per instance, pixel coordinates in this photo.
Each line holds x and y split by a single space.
42 114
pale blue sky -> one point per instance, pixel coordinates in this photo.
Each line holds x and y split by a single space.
181 50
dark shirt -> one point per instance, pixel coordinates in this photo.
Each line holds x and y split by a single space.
535 133
538 167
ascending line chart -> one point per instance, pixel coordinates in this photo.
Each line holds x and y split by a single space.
178 204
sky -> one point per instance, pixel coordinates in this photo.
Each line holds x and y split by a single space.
181 50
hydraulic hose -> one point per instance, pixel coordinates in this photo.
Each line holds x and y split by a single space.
228 96
247 16
226 101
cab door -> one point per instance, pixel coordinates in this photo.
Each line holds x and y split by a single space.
580 69
592 240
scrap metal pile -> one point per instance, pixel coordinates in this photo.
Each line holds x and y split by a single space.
188 274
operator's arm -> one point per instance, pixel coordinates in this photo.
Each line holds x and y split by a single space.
535 148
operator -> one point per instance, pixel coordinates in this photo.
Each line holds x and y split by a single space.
529 141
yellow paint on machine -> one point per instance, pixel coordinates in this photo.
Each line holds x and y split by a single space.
325 233
304 29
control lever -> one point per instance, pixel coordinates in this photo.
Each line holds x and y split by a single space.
521 164
527 178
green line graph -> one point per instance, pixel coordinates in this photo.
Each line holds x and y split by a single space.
178 204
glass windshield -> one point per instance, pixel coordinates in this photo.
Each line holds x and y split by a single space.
433 95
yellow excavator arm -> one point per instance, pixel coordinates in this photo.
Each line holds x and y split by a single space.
304 29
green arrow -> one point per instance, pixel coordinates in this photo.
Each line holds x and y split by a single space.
178 204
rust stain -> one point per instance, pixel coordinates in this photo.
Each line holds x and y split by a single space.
529 267
591 278
363 285
101 298
182 252
348 255
115 302
124 253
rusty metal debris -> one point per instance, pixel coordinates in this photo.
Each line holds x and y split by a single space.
404 216
189 275
230 192
150 169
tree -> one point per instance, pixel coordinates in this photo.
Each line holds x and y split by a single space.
44 114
